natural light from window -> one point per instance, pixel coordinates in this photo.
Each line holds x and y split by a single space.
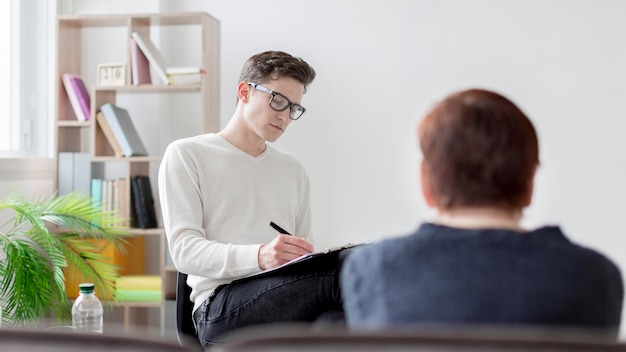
5 73
26 37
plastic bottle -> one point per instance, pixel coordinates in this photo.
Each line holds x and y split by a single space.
87 310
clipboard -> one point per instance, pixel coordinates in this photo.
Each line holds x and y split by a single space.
303 258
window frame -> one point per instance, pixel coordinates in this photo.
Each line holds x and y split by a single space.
32 86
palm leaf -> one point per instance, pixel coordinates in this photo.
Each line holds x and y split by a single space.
40 240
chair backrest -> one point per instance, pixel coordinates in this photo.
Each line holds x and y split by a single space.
304 338
13 340
185 330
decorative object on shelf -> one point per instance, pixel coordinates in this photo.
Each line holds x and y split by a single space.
124 130
111 75
33 257
78 94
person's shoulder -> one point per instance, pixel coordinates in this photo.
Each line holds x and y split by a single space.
583 255
285 159
189 145
201 139
388 247
282 154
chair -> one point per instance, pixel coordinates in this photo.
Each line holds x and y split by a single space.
185 330
304 338
19 340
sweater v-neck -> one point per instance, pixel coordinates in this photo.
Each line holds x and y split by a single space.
243 153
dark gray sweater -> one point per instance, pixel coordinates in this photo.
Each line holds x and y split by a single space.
445 275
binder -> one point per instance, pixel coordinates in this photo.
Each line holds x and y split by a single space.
143 202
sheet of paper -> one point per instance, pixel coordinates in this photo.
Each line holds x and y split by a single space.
305 257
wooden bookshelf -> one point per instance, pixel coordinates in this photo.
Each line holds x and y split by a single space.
79 53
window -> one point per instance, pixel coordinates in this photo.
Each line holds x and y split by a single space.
26 65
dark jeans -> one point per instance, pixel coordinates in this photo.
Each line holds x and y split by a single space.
303 292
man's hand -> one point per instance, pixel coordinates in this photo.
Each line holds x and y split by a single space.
282 249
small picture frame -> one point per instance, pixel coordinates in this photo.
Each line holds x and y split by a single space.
111 74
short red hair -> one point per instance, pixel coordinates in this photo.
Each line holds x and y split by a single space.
479 149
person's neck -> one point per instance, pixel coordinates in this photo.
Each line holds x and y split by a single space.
481 218
243 139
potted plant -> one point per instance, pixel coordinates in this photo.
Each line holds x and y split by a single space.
39 240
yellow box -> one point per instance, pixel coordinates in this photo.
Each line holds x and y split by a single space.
130 262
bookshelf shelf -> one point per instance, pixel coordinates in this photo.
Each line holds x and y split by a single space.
161 113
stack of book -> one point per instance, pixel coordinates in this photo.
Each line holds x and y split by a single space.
108 195
138 288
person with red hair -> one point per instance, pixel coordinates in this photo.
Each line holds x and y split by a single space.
475 263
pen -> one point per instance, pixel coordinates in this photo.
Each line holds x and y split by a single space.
279 229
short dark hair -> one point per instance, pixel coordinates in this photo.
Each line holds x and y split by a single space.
269 65
479 149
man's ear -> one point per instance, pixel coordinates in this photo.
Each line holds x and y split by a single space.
427 192
243 91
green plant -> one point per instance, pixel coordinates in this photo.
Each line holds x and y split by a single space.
39 239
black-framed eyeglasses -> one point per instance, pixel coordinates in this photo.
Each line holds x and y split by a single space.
279 102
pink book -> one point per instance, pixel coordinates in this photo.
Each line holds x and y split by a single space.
139 65
78 95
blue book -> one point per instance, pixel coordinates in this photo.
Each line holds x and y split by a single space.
96 192
124 130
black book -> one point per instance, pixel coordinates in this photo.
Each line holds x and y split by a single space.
143 203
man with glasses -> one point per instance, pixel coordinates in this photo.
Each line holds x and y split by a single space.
219 193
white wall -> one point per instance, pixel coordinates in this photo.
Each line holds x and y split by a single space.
381 65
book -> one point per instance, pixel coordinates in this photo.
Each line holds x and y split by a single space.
96 192
166 75
122 200
188 70
138 282
153 55
108 134
65 173
123 129
138 295
78 94
185 75
107 192
74 173
139 65
115 196
143 202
